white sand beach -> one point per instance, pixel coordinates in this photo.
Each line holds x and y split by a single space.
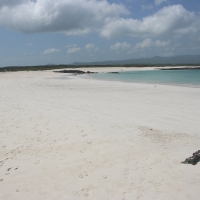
68 138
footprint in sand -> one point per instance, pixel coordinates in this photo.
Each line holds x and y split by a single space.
82 151
87 192
127 173
84 135
9 169
1 180
38 162
139 197
86 195
85 174
89 143
132 187
128 195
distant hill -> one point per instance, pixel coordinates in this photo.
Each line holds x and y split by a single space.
172 60
141 62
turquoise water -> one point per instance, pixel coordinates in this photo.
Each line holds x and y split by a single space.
169 77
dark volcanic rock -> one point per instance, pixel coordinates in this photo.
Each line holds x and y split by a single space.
74 72
194 159
113 72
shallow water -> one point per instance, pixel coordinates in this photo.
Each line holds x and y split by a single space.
169 77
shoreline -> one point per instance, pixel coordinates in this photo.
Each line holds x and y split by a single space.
119 69
97 68
78 138
146 83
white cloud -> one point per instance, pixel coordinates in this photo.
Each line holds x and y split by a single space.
74 17
69 16
52 50
158 2
90 46
147 7
96 49
159 43
73 50
144 44
71 45
148 43
169 21
120 46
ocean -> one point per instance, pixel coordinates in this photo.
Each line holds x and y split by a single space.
167 77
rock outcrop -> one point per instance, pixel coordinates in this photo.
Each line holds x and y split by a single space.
193 160
76 72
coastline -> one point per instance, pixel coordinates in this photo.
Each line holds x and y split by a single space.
75 138
119 69
152 80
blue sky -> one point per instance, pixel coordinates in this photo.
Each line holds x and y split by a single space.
65 31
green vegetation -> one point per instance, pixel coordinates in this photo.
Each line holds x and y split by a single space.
157 61
32 68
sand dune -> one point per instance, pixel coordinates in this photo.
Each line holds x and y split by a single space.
65 137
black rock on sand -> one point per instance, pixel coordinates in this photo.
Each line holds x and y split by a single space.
194 159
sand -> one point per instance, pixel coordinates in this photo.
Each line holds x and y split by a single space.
68 138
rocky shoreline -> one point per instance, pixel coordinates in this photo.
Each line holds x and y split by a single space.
76 72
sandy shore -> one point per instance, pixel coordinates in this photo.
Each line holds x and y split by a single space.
119 69
67 138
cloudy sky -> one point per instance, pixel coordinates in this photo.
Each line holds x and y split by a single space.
34 32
